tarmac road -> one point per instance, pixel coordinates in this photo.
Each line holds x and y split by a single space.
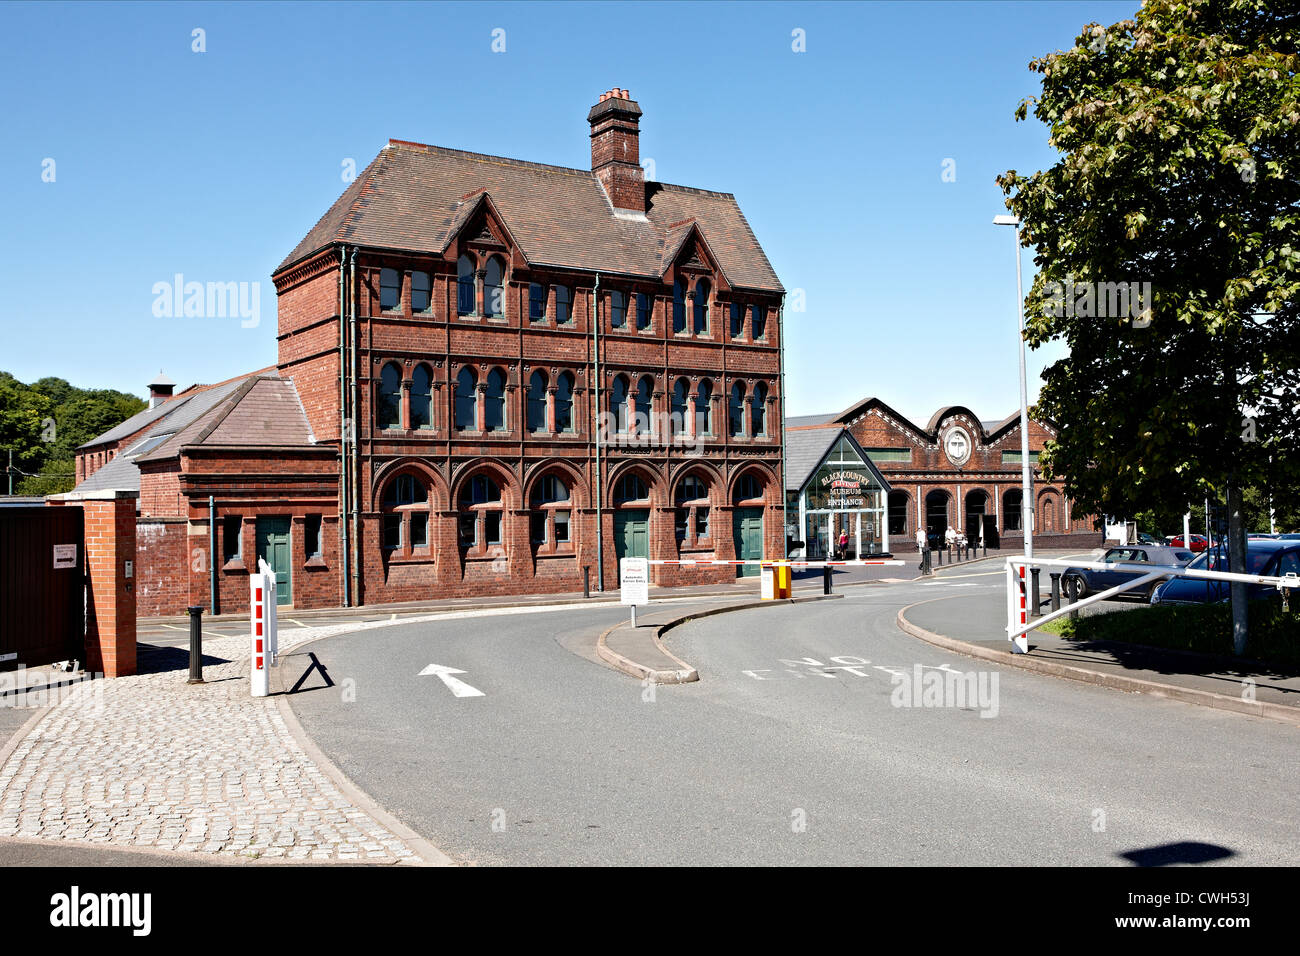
790 749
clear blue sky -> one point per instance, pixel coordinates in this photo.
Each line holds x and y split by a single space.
215 164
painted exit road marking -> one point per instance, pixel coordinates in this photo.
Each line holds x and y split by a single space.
457 687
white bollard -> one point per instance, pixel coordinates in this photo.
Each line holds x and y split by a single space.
259 654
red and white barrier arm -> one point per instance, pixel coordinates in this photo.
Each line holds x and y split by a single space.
892 562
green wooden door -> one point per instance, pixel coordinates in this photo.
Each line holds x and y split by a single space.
632 534
273 546
747 525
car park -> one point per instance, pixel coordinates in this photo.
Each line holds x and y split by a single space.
1263 556
1090 581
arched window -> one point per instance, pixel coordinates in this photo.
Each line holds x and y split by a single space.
494 290
465 298
677 414
692 521
736 411
388 403
631 487
405 514
758 411
480 514
551 510
494 399
421 397
617 309
618 404
704 408
420 292
702 290
537 402
757 322
564 402
563 304
644 394
466 400
737 320
748 488
679 306
1011 501
390 289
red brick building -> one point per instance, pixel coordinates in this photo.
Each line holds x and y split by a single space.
493 375
955 470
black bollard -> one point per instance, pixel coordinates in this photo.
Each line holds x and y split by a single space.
586 581
1038 601
1072 591
826 580
1056 590
196 644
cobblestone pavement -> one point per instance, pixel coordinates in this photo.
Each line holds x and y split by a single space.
149 761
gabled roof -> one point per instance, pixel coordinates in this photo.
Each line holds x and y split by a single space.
412 198
807 448
991 430
257 410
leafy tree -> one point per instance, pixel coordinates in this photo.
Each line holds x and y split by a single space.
1180 135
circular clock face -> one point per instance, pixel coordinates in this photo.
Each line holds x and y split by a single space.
957 445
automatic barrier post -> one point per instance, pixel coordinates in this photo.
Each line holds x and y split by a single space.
1056 590
196 644
259 671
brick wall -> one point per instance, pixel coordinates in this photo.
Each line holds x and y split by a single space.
111 595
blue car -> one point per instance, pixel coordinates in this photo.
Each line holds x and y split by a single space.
1263 556
1088 581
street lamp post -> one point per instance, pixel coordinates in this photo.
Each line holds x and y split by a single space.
1026 481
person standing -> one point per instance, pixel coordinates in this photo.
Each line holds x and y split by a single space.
923 549
950 536
844 543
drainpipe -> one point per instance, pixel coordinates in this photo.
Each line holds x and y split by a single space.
356 426
212 549
595 431
785 495
343 430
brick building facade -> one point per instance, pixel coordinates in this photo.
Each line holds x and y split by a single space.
956 470
492 377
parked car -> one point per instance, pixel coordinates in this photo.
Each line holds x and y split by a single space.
1263 556
1144 538
1090 581
1198 543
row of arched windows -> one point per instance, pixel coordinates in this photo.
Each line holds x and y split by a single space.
481 406
405 506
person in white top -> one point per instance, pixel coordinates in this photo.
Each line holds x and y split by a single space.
950 536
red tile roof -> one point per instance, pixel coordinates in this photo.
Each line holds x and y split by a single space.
413 197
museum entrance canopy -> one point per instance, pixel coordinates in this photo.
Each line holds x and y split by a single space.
837 493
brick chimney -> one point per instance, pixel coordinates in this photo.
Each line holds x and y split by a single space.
160 389
616 149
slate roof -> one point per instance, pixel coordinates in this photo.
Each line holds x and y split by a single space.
414 197
257 410
806 448
990 428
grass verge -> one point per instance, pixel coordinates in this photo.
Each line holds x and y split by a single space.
1204 628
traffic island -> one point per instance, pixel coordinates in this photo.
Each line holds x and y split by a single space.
639 651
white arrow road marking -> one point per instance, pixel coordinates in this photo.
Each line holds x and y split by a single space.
457 687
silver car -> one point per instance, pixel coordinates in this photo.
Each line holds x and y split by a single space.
1090 581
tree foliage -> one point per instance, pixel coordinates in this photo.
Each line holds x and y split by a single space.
44 423
1180 139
